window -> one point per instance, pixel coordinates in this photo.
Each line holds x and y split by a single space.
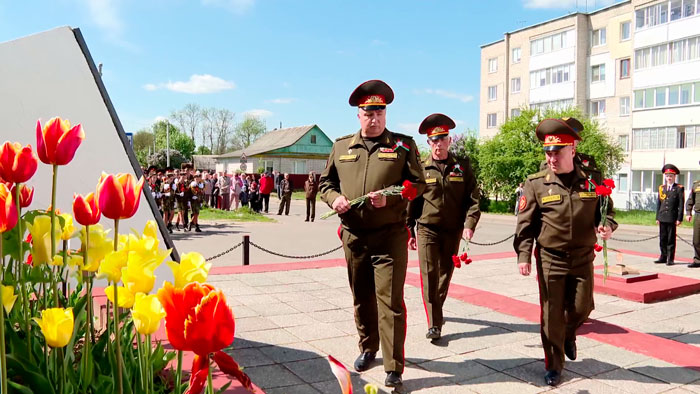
300 166
556 104
598 73
625 30
688 8
598 37
649 98
660 97
641 58
515 55
685 93
551 43
493 65
676 9
672 95
622 182
659 55
515 85
598 108
677 52
696 99
639 99
548 76
313 138
491 121
624 142
665 137
652 15
493 93
624 106
625 68
514 112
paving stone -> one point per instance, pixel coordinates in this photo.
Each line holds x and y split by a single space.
333 315
588 367
316 331
272 309
311 306
633 382
272 376
498 383
690 339
416 380
278 336
666 372
293 296
586 386
290 320
533 373
456 368
311 371
678 390
499 358
298 389
250 357
693 387
246 324
613 355
243 311
290 352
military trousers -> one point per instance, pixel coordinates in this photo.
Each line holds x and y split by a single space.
566 299
667 240
376 262
696 237
435 250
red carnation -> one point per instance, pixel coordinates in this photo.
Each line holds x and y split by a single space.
409 192
603 190
457 263
609 183
597 248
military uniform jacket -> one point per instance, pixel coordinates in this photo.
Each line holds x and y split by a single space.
196 191
669 204
693 200
559 218
449 198
167 192
353 171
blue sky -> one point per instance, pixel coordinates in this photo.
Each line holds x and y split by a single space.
289 61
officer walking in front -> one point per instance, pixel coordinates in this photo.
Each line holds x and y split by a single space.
669 213
561 211
451 196
694 202
374 235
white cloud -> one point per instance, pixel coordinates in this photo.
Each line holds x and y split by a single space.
285 100
197 84
465 98
408 127
235 6
258 113
570 4
106 16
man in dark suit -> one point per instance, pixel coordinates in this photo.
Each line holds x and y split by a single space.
669 213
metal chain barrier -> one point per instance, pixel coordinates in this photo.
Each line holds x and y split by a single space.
634 240
216 256
689 243
286 256
493 243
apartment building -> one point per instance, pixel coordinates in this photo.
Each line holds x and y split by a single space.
610 63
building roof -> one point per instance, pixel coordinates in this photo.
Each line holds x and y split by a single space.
272 140
620 3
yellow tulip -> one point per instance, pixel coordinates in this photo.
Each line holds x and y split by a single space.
371 388
57 260
192 268
68 228
8 298
111 267
75 260
138 276
151 229
57 326
41 238
147 313
100 245
126 298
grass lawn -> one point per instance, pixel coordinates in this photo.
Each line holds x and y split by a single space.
301 195
645 218
244 214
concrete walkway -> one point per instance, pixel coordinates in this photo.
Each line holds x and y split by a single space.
289 316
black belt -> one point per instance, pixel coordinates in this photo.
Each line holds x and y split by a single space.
565 254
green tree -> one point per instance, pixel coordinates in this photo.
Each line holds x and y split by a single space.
143 145
179 141
466 145
515 152
247 131
203 150
160 159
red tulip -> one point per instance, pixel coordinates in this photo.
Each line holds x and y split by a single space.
17 164
57 142
190 315
26 195
119 195
409 192
609 183
8 210
85 209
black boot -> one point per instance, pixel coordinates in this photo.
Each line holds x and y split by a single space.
364 360
197 229
433 333
552 378
570 349
177 226
393 379
660 260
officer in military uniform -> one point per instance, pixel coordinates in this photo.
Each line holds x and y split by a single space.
167 191
196 196
374 235
669 213
694 201
561 211
451 196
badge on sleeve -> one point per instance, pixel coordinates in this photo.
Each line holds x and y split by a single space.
523 203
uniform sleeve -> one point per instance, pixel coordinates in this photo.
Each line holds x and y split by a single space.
473 212
529 224
658 203
690 203
412 172
329 183
415 210
681 198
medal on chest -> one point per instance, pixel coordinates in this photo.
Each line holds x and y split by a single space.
399 145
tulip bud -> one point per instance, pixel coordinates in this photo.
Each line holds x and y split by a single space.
26 195
57 142
86 209
57 326
17 164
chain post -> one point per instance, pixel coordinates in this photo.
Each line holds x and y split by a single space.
246 250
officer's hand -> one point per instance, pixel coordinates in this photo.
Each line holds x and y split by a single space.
341 204
467 233
690 218
605 232
678 222
657 222
378 200
412 244
524 268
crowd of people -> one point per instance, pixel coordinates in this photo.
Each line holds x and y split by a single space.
181 193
